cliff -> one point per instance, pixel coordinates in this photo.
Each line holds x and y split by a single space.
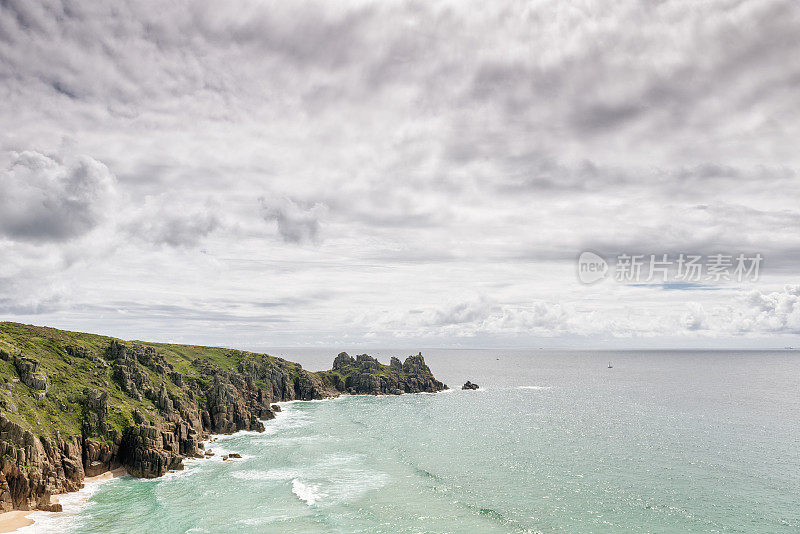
74 405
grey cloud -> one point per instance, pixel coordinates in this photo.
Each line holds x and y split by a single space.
173 224
182 231
194 313
46 200
460 313
298 222
12 306
28 295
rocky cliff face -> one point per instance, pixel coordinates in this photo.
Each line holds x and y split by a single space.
33 469
367 376
147 414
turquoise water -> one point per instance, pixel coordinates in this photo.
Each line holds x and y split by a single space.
553 442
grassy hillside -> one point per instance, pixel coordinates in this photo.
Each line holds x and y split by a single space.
74 361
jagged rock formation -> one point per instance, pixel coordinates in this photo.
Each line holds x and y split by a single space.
29 374
366 375
92 403
470 385
35 468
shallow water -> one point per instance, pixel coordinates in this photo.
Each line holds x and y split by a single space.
552 442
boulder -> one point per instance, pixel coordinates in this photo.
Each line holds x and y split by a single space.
469 385
29 374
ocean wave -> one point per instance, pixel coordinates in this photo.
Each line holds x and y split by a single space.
331 463
347 485
73 504
188 470
538 388
309 493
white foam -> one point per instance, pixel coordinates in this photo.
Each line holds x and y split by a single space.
534 387
272 474
264 520
309 493
335 460
73 504
304 439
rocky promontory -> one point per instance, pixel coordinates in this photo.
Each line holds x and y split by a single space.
74 405
367 376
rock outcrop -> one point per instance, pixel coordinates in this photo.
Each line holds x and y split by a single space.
470 385
29 374
32 468
367 376
147 411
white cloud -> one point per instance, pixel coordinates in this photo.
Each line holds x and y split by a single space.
446 162
695 318
776 311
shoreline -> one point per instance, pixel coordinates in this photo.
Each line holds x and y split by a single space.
17 519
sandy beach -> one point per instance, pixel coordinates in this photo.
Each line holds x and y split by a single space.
16 519
108 475
11 521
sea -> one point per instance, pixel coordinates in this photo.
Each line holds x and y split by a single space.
553 441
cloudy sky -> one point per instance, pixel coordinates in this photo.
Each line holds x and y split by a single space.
391 173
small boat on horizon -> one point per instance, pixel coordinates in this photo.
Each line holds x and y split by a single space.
610 366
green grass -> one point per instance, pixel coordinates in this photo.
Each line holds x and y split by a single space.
68 376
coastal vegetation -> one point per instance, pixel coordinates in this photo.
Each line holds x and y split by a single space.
74 405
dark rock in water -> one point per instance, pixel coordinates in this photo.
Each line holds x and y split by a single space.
469 385
275 408
234 455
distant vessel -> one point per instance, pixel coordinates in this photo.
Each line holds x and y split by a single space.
609 365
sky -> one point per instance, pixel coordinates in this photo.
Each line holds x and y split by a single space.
258 173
